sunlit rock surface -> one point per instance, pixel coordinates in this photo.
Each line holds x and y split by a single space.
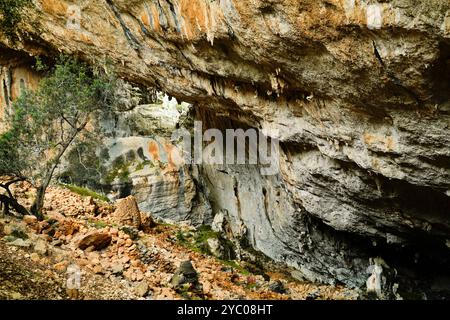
358 92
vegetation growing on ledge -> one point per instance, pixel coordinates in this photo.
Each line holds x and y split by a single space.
197 242
120 170
85 192
11 14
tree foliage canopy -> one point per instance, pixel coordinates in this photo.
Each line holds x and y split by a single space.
11 14
45 123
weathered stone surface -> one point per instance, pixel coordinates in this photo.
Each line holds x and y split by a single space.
357 93
40 247
95 239
127 212
142 289
15 76
117 268
185 274
277 286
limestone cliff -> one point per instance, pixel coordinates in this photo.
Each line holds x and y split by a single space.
359 91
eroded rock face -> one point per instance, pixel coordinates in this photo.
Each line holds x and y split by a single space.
358 92
15 77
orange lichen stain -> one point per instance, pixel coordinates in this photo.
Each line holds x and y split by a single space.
153 149
155 16
386 141
54 7
85 38
75 35
194 17
145 19
170 149
369 139
354 12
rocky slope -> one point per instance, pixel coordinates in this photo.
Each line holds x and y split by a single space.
357 92
118 257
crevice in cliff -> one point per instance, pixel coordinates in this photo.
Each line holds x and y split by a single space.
132 40
439 75
394 78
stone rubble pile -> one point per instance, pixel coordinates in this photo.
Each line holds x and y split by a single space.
124 247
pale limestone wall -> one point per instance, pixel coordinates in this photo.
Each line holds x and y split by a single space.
13 81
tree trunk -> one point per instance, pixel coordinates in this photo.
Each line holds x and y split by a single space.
36 208
11 202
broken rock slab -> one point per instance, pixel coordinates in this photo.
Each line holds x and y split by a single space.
97 240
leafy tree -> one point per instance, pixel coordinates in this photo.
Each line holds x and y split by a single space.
11 14
46 123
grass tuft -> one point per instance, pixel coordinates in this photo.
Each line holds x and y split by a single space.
85 192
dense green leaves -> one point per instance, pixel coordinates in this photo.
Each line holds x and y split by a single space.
45 122
11 14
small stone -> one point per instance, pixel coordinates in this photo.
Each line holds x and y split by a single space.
98 269
277 287
148 274
34 257
8 229
61 266
129 275
30 220
313 295
93 256
184 274
40 247
117 269
16 296
135 263
46 237
139 275
83 262
141 289
43 225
